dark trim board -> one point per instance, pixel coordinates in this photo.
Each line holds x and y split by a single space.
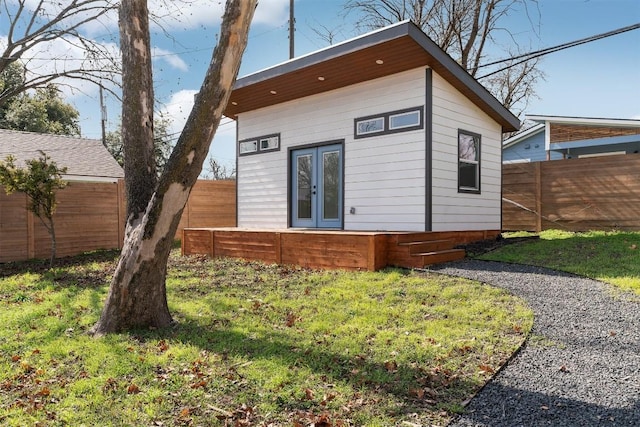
290 150
428 139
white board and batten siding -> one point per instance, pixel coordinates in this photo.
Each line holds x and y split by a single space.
384 176
451 210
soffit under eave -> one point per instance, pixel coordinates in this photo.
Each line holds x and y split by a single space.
397 55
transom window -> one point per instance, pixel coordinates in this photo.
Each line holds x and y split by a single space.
404 120
390 122
468 162
260 144
370 126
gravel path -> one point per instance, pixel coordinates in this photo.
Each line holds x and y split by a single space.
581 365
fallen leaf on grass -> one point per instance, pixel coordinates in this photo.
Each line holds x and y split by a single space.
308 394
163 346
133 389
199 384
44 392
291 320
391 366
486 369
110 385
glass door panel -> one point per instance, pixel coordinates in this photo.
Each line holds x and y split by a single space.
317 187
303 189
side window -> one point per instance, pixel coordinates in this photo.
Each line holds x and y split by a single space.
468 162
260 144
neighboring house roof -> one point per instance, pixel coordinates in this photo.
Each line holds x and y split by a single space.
85 159
580 136
384 52
593 121
521 136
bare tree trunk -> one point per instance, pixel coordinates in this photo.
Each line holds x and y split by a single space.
137 296
137 106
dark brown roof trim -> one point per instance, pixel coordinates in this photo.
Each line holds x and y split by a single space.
440 61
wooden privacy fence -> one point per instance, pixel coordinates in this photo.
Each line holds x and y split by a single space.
599 193
91 216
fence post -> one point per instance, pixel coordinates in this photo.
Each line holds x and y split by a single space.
538 197
31 233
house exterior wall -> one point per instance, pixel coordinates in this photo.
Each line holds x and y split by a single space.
519 153
385 175
452 210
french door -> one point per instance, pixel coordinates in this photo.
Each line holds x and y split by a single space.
316 187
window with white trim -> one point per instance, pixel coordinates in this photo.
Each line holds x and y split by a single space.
369 126
404 120
261 144
248 147
270 143
390 122
468 162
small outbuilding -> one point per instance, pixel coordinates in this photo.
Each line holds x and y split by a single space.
381 150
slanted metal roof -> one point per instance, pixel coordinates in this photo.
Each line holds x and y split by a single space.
381 53
85 159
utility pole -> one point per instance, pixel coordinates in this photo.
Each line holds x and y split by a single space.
292 29
103 119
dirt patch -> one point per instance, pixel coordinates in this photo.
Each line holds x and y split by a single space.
483 246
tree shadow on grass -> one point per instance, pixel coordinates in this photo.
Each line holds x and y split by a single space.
39 266
420 387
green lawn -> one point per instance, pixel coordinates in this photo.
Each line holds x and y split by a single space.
612 257
254 344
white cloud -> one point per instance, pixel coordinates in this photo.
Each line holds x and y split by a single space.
176 15
58 56
170 58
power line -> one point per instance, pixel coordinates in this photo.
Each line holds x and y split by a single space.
553 49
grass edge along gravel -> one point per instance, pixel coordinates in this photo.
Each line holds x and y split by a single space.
609 256
254 344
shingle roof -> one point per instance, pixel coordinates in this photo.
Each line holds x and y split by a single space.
83 157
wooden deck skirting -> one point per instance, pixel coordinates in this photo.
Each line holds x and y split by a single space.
349 250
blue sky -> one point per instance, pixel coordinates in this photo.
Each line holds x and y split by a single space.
599 79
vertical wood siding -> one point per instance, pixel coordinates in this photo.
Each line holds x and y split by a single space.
600 193
90 216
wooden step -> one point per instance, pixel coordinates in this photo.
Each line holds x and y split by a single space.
421 247
441 256
417 236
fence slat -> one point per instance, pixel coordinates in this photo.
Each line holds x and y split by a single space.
601 193
91 216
